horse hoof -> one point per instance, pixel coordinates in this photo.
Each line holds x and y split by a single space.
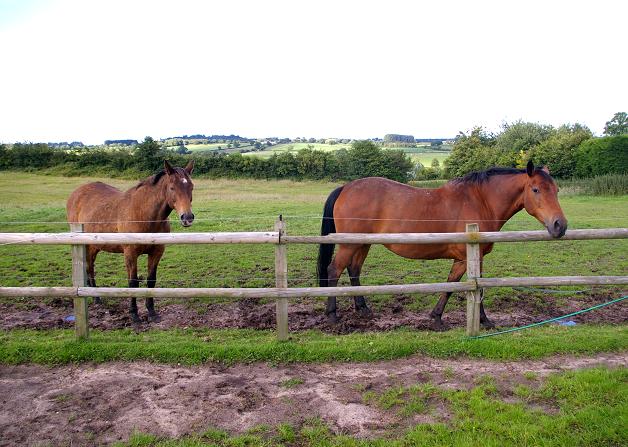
332 319
135 318
365 312
438 326
488 324
154 318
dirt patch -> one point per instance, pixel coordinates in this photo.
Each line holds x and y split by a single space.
511 311
101 404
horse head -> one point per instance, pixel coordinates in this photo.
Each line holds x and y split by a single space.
179 188
540 199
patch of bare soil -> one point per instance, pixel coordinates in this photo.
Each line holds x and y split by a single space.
101 404
520 309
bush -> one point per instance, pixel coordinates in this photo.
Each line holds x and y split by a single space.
558 151
599 156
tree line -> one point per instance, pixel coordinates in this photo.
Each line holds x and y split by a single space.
569 150
361 159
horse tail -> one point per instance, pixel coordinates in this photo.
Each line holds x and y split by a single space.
326 251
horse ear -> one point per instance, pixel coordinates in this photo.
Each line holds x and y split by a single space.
189 167
168 168
530 168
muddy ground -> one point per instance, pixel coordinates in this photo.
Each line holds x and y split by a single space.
396 312
100 404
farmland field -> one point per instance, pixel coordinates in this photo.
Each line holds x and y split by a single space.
422 154
211 147
296 147
441 390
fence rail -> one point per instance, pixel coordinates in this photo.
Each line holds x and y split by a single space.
80 292
273 237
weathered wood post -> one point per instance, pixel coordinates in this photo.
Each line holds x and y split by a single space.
474 297
281 279
79 279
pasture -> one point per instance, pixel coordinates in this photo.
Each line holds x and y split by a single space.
421 154
441 389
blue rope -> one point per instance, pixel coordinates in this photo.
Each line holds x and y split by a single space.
551 319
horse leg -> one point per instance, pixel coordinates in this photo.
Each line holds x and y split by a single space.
338 264
153 261
354 270
130 260
91 274
484 321
456 272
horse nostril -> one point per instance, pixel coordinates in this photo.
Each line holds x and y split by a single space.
187 217
557 224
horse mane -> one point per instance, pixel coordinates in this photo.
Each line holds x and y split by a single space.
157 177
478 177
150 181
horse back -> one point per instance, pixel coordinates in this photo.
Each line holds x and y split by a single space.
379 205
96 205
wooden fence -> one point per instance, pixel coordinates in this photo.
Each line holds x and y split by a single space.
472 286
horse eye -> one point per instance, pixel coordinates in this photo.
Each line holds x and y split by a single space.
534 189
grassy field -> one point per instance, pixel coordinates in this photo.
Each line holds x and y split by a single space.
196 346
296 147
587 406
425 158
421 154
592 404
211 147
36 203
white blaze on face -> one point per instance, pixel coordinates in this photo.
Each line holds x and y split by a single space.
184 180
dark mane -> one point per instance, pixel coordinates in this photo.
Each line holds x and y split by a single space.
150 181
479 177
157 176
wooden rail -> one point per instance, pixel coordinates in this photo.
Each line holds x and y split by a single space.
281 292
272 237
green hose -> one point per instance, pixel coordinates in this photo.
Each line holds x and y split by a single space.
550 320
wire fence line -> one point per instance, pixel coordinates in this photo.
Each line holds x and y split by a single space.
296 217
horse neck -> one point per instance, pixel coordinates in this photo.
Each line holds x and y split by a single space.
503 195
150 201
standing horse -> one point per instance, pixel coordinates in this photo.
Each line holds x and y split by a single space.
142 209
378 205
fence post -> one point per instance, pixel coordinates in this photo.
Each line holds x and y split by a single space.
281 279
79 279
474 297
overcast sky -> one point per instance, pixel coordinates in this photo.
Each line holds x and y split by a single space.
96 70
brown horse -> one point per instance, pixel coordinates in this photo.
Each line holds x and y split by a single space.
142 209
378 205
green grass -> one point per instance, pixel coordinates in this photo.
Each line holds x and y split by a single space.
196 346
296 147
422 154
36 203
592 406
425 158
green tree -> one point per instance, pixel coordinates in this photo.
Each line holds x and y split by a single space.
558 152
435 163
148 155
618 125
517 137
599 156
472 152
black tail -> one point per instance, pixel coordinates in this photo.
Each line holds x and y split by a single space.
326 251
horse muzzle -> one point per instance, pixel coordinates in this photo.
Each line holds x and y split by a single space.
557 227
187 219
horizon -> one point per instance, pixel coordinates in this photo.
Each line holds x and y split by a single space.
92 71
